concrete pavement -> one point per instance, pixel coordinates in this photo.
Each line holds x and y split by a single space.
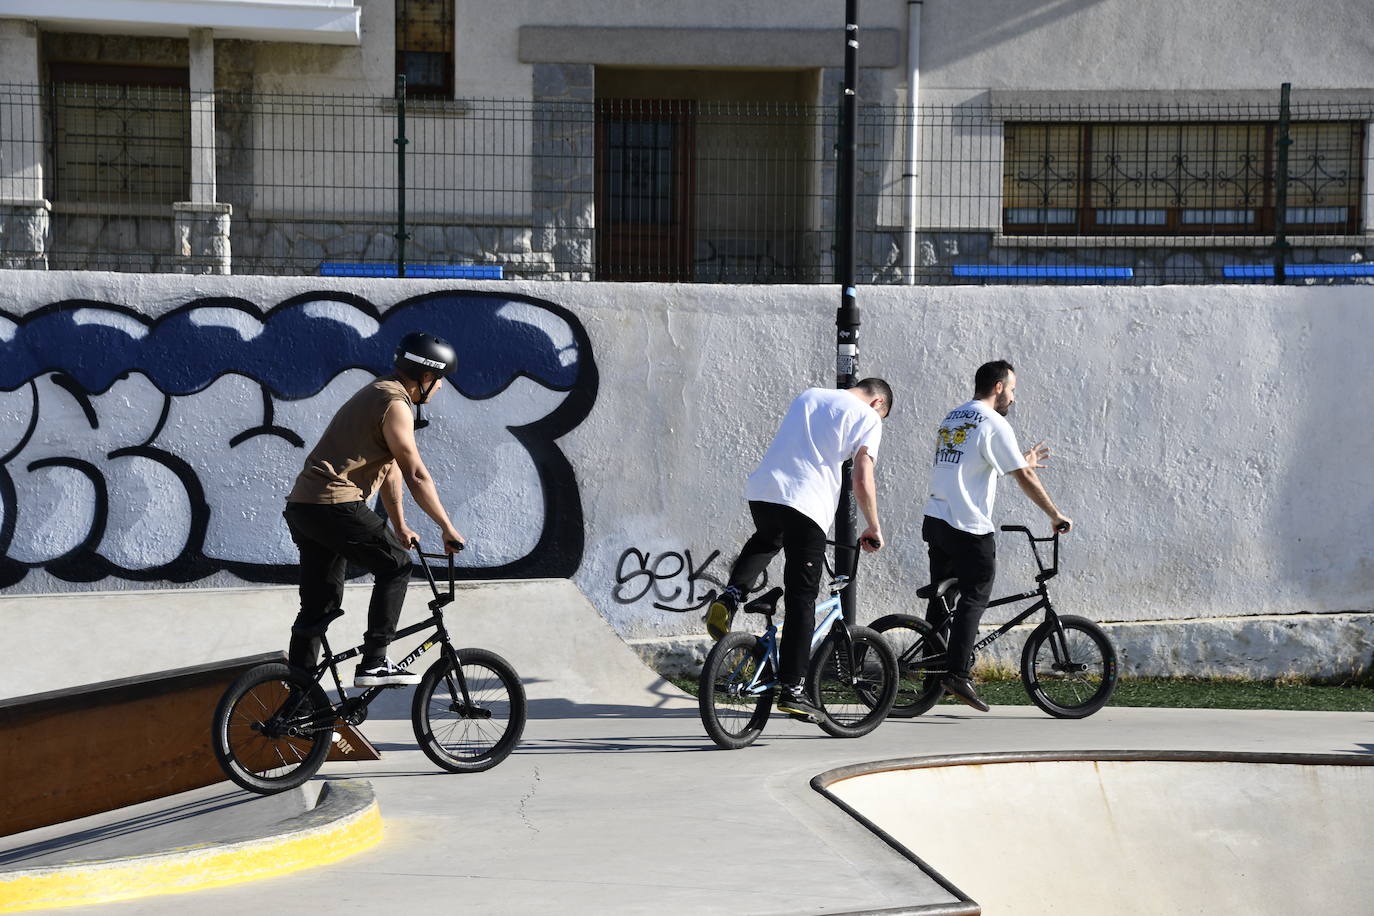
617 802
614 808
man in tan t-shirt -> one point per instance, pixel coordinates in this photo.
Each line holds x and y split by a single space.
368 446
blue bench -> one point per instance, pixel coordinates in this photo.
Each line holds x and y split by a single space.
414 271
1266 271
1010 271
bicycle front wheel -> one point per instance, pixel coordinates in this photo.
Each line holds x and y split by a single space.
1071 674
732 709
468 736
853 681
920 662
272 728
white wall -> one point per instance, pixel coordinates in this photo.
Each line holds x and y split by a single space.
1208 441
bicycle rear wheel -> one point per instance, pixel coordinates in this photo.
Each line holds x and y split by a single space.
1072 675
476 736
921 662
853 682
733 715
272 728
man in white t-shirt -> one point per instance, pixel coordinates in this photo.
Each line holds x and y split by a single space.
793 496
974 447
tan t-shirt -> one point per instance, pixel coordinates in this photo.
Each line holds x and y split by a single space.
352 457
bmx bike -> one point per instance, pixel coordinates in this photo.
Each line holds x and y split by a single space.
1068 665
851 678
274 725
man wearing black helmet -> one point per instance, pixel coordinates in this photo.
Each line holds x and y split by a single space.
369 446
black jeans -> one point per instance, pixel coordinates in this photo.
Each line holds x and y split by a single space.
972 559
330 537
802 543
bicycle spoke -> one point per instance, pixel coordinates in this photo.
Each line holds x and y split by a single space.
1070 669
476 734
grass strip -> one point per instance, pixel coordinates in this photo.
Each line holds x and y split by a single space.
1189 693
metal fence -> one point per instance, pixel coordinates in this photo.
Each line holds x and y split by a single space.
163 179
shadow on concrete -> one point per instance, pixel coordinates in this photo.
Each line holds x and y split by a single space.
228 811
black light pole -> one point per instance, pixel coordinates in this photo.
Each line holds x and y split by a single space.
847 317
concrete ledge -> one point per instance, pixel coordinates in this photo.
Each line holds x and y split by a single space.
346 820
1263 647
701 47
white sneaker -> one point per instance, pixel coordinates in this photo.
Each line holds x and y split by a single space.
386 674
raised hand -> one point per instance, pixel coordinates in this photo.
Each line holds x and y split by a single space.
1037 454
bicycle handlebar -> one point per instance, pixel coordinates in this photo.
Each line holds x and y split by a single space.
1045 572
439 599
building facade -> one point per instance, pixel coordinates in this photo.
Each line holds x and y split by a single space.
1098 140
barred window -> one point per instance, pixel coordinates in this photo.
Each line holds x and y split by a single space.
119 134
424 47
1205 179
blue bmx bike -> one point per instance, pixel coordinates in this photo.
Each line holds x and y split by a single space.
852 676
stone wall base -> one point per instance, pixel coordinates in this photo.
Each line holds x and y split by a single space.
24 231
200 237
1317 646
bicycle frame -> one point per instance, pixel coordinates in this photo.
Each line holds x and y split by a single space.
350 706
1041 592
832 619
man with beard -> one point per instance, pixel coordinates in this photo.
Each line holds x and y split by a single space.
975 446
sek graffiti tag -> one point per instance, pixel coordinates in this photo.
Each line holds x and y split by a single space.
673 581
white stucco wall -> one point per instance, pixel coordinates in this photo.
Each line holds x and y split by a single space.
992 44
1208 441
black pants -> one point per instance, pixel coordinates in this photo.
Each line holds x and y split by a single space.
329 538
802 543
972 559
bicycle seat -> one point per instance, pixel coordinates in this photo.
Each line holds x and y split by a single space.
319 628
936 589
767 603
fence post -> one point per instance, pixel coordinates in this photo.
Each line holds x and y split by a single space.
401 141
1281 188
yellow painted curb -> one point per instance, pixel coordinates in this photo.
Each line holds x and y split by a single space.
312 839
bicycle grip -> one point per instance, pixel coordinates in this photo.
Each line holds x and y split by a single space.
458 546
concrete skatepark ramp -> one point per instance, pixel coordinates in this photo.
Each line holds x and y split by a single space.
1130 833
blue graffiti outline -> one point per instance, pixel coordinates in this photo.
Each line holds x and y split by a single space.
559 548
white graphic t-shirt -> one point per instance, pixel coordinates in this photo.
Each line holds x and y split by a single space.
823 428
975 446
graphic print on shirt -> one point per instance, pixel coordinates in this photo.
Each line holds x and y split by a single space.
949 448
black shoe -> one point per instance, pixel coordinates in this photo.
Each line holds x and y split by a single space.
721 613
384 673
794 702
961 688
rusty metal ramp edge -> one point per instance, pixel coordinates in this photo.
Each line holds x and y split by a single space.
967 906
345 820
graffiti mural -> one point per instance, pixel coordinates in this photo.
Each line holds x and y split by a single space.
161 450
671 580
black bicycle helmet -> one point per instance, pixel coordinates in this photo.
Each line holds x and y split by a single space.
419 352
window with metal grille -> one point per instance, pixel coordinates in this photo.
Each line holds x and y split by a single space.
118 134
424 47
1204 179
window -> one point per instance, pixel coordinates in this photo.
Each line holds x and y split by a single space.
424 47
119 134
1205 179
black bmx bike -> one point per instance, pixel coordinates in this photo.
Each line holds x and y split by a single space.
1068 665
274 725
